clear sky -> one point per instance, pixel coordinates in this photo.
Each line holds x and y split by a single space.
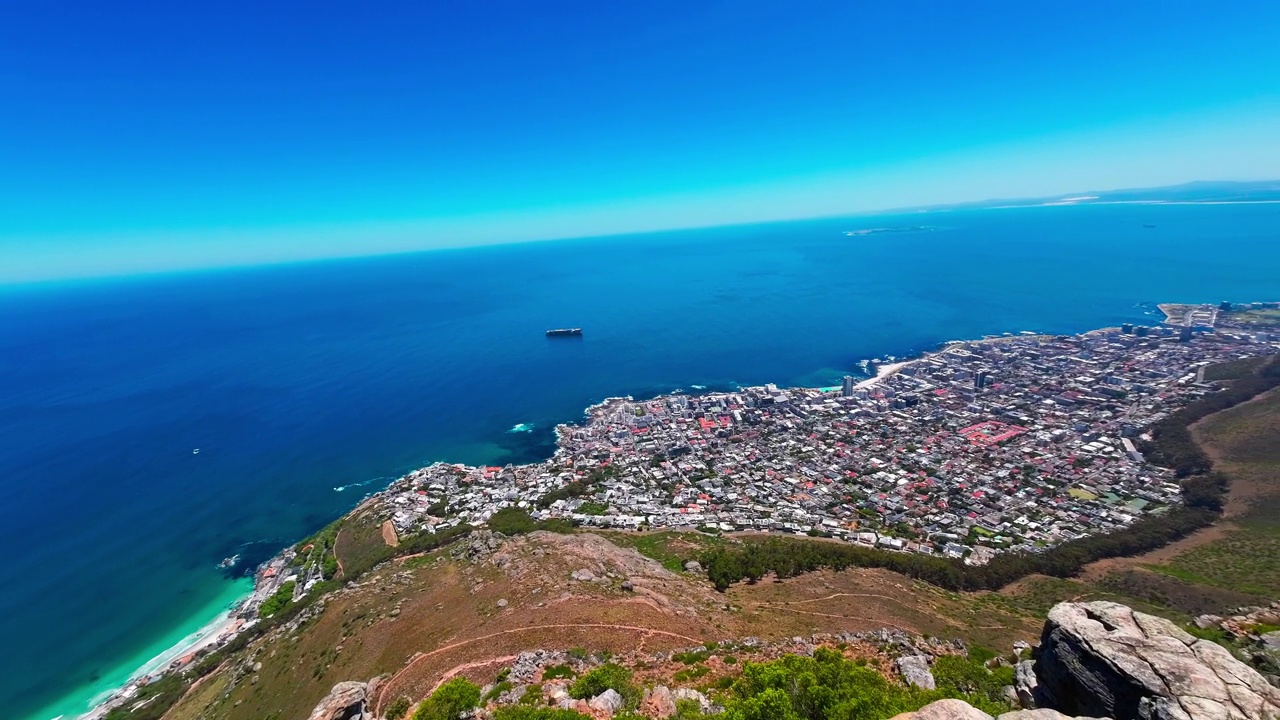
143 136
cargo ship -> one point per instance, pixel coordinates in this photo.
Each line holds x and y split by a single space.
565 332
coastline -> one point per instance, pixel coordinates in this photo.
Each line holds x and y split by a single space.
89 701
223 626
213 630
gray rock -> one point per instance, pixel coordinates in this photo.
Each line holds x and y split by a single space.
693 566
1271 640
1204 622
628 586
691 694
1103 659
608 701
584 575
346 701
502 602
945 710
915 671
1025 683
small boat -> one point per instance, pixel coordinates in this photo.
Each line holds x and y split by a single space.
565 332
195 451
229 562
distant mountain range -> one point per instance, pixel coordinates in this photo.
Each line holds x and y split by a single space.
1192 192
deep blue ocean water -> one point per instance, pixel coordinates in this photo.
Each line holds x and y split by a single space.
296 380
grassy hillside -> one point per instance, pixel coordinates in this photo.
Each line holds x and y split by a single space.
1244 443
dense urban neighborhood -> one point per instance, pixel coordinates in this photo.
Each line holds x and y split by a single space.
1008 443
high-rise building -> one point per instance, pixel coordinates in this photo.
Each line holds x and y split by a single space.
846 389
981 379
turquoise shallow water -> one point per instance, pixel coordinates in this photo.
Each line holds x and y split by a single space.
307 386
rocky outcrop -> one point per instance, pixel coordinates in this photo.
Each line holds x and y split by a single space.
346 701
1104 659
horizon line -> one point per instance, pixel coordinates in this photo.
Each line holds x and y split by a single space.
1057 200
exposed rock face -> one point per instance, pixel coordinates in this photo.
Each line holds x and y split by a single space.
1104 659
1026 684
346 701
915 670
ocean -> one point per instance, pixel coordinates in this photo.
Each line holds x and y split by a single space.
306 386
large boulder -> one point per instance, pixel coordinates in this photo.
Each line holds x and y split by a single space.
1104 659
607 702
346 701
915 671
945 710
658 703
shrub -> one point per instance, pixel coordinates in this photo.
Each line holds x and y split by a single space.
553 672
278 601
449 701
524 712
511 521
398 708
605 677
827 685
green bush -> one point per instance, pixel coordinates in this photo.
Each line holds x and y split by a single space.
604 677
277 601
524 712
559 671
968 676
159 696
398 708
501 687
511 521
688 710
532 695
827 685
449 701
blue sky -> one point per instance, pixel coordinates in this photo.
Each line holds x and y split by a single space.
140 137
